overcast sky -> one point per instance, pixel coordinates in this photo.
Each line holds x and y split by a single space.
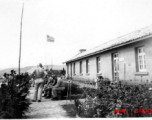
75 24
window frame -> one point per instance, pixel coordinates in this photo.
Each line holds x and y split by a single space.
81 70
141 59
68 69
74 68
115 66
87 66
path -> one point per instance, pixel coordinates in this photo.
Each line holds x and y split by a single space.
48 108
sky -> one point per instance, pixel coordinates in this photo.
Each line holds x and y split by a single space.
75 25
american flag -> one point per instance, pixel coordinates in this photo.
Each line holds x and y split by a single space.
50 39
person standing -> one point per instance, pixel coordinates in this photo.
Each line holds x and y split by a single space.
5 78
39 82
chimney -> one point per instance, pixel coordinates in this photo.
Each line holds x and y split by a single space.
82 50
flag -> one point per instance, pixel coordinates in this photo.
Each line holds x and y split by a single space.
50 39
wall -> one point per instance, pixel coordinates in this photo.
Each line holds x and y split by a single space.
127 63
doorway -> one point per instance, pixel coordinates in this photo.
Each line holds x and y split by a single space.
115 67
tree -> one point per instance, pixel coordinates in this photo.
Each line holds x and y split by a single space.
63 72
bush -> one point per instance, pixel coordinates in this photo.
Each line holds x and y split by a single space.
73 91
110 97
13 101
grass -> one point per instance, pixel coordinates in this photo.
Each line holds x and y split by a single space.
70 109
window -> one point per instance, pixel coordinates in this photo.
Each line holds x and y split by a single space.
74 68
87 66
67 68
141 59
80 67
98 64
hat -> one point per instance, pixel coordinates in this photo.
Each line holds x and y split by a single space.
4 74
40 65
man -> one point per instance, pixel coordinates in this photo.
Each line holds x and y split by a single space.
39 81
60 85
5 78
48 87
12 75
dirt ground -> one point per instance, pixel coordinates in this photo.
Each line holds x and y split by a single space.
50 109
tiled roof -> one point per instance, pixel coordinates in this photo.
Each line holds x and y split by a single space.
120 41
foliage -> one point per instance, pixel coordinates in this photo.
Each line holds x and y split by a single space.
13 101
57 72
110 96
74 89
63 72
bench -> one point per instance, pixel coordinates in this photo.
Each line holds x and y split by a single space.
60 93
63 92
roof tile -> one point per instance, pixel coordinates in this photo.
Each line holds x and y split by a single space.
129 38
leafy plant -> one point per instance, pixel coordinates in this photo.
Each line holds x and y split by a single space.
13 101
112 96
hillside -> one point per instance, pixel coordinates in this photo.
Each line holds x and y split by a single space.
30 69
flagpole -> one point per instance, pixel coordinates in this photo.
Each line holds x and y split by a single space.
20 40
52 64
49 39
45 52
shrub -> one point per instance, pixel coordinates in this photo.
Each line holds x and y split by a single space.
13 101
110 96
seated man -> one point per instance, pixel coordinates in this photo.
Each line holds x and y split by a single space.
48 87
60 86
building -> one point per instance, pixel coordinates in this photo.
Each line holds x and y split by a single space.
128 57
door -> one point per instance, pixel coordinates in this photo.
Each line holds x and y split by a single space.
115 60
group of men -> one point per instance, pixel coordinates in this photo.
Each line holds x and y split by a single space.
47 84
6 78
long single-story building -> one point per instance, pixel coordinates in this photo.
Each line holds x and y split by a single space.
128 57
